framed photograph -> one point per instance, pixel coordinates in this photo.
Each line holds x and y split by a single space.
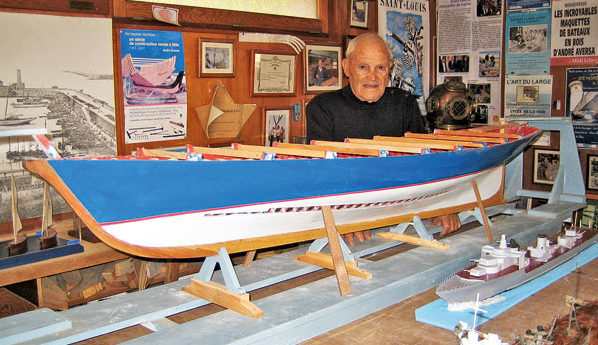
277 125
546 166
592 172
273 74
216 58
359 13
323 70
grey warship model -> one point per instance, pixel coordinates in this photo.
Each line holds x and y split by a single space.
503 267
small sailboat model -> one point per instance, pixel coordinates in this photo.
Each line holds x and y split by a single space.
223 119
19 243
471 336
48 235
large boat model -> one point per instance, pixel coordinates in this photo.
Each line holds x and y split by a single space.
250 197
502 268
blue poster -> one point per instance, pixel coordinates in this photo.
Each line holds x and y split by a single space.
514 5
154 85
582 104
528 42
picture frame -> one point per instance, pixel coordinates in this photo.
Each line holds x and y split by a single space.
359 13
277 125
546 166
273 74
323 71
592 173
216 58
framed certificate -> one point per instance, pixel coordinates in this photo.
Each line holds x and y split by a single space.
273 74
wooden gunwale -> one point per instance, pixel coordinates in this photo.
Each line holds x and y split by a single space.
280 150
429 141
343 150
391 148
422 145
456 137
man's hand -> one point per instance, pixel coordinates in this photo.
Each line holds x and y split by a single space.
449 222
361 236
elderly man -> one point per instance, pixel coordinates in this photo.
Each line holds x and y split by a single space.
366 107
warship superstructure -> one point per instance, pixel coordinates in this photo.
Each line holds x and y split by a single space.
504 267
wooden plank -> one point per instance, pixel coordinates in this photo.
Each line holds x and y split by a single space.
325 260
227 152
429 141
248 259
172 271
436 145
162 153
471 133
12 304
414 240
337 149
482 210
218 294
391 148
280 150
490 128
455 138
342 278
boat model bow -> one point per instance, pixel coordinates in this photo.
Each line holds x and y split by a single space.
251 197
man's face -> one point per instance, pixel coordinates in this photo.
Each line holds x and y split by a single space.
367 69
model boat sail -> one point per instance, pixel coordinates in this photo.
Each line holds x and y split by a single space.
502 268
250 197
19 243
223 118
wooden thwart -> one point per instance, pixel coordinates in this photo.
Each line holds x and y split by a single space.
377 146
463 143
472 133
414 240
280 150
436 145
218 294
345 150
455 138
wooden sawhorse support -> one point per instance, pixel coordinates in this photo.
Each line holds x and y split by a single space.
231 295
340 258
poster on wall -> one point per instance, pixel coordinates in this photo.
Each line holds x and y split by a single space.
574 32
56 73
516 5
154 85
528 96
527 42
405 27
582 104
470 48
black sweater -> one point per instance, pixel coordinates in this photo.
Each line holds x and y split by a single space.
337 115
